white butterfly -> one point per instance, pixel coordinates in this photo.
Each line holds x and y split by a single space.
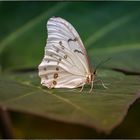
65 63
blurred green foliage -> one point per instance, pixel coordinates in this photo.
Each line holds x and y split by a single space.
105 27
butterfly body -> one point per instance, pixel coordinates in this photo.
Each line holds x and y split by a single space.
65 63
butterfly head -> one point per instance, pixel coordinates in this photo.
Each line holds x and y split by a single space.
90 77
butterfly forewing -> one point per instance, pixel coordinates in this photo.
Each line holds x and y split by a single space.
65 63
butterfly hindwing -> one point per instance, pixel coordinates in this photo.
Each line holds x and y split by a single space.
65 62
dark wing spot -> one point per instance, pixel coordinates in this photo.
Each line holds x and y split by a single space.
65 56
59 61
46 60
79 52
75 39
55 75
54 82
63 47
57 68
57 50
45 68
60 42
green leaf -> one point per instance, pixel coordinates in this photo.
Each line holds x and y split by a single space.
103 109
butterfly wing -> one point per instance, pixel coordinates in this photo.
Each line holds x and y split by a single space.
65 63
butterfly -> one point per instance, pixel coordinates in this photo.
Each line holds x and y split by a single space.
65 63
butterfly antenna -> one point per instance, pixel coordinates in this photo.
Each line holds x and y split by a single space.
102 62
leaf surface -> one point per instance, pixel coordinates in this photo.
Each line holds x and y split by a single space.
103 109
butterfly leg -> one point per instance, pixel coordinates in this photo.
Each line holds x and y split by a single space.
102 83
81 88
91 87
